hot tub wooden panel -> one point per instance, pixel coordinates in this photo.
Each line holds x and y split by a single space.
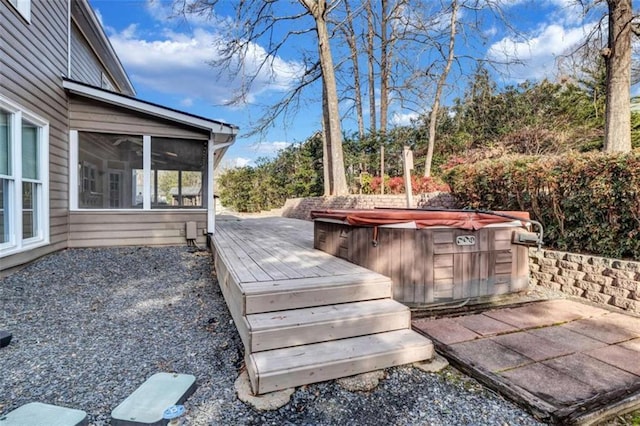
430 265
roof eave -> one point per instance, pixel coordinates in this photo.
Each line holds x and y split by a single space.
127 102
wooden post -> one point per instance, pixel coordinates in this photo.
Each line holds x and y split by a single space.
407 162
381 169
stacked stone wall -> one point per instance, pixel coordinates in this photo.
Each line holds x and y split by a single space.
300 208
597 279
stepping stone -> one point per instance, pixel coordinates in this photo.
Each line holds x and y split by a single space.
39 414
5 338
146 404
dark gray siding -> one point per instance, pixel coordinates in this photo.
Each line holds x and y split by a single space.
85 65
33 59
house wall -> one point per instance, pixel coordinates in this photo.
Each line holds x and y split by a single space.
94 116
117 228
85 66
33 57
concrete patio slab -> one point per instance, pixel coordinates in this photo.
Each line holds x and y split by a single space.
489 355
544 314
620 357
624 321
550 384
599 329
564 361
485 325
634 345
445 330
597 374
532 346
573 342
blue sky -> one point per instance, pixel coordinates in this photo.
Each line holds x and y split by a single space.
167 61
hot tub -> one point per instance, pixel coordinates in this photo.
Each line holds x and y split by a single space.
432 257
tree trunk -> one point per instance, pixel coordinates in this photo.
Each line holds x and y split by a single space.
433 116
384 65
326 158
353 48
333 131
617 134
371 67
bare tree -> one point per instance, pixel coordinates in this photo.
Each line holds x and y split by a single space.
255 23
617 56
435 107
371 57
349 33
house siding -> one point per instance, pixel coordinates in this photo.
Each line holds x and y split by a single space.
93 116
118 228
33 61
85 65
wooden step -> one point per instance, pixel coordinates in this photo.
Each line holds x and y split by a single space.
296 327
299 365
316 291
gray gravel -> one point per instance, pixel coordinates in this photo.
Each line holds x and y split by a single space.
89 326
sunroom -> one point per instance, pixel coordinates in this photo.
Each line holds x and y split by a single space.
139 173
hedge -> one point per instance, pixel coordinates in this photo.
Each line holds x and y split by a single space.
586 202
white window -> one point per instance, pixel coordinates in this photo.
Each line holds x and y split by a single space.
24 186
23 7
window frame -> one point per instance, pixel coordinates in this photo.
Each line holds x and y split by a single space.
23 7
76 177
14 210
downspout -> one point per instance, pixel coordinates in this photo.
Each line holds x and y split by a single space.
211 208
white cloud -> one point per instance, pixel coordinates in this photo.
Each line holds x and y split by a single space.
186 102
178 63
537 55
404 119
235 162
269 147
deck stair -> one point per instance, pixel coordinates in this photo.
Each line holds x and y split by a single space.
305 316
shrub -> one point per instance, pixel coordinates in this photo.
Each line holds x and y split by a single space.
586 202
395 185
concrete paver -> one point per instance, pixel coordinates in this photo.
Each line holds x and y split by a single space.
601 376
532 346
542 314
485 325
624 321
598 329
634 345
620 357
550 384
562 336
489 355
445 330
571 356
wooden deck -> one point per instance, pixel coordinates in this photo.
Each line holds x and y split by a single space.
303 315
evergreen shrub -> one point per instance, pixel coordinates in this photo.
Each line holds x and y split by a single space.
586 202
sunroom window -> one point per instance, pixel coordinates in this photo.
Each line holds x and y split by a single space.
111 172
23 179
177 169
108 171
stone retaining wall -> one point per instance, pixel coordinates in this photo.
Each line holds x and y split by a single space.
598 279
299 208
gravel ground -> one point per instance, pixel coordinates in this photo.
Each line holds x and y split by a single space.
89 326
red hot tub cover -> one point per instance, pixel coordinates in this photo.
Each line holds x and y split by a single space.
422 218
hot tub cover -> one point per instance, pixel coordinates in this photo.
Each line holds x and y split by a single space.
470 220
